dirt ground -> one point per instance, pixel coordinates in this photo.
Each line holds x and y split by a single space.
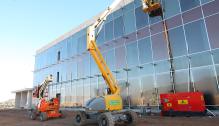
19 118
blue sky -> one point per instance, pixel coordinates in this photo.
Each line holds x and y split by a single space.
27 25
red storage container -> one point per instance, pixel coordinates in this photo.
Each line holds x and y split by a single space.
185 103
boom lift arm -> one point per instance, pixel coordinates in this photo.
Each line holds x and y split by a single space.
39 91
95 52
148 6
114 96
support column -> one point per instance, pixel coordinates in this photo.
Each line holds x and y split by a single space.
21 100
29 99
17 100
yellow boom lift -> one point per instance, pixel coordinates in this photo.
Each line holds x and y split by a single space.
107 110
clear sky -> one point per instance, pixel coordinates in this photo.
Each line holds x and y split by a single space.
27 25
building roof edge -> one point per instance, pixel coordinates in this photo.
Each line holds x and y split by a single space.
78 28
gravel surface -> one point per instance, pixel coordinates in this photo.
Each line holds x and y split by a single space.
19 118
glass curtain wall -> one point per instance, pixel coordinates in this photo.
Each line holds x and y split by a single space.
136 51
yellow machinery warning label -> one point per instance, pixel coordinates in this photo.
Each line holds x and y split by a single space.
169 104
183 102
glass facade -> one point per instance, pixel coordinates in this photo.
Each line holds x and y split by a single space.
135 49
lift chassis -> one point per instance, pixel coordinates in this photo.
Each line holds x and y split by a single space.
127 117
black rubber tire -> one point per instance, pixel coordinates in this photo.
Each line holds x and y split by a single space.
106 119
171 113
132 118
62 114
80 118
43 116
32 115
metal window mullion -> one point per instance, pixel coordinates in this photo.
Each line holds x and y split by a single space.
138 52
212 58
153 63
190 77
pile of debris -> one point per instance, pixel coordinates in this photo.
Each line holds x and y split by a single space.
9 104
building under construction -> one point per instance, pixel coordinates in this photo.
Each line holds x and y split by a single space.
136 50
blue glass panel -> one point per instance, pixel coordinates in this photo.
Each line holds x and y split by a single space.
170 7
141 18
213 30
205 1
101 36
109 31
145 52
110 59
159 45
132 54
129 21
146 69
120 57
181 80
201 59
204 80
177 41
196 36
181 63
118 27
216 56
163 66
186 5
